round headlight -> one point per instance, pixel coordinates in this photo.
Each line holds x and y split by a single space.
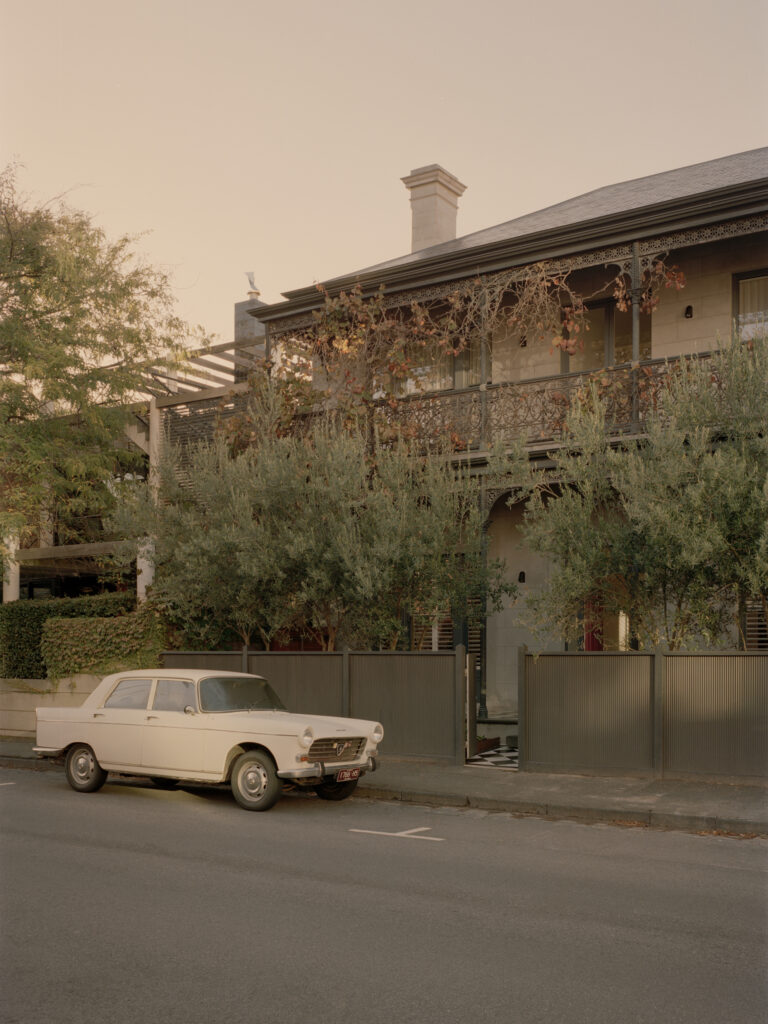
378 733
305 739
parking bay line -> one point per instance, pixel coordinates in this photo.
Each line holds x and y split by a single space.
410 833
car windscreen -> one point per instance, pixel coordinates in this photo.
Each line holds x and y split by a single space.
233 693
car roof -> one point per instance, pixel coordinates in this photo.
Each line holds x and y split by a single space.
194 674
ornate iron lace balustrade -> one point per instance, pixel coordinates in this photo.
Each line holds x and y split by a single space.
456 416
475 418
531 410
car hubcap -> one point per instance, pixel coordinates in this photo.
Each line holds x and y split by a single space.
83 766
254 779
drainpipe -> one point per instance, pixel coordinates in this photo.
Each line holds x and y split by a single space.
483 394
145 553
637 291
486 341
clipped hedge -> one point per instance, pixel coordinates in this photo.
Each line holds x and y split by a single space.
22 622
101 645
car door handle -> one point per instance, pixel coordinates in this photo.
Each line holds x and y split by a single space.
98 714
152 717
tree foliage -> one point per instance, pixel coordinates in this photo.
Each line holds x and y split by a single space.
81 321
670 530
311 533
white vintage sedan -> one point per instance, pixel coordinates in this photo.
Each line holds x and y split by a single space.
206 726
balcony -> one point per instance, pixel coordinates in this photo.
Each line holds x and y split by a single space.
533 411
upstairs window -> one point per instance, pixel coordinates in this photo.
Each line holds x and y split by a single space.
447 373
607 340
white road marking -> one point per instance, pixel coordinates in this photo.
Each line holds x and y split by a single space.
7 783
408 834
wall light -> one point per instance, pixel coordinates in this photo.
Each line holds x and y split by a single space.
688 313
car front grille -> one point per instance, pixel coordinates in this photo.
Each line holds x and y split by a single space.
347 748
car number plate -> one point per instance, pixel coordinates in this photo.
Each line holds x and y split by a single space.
347 774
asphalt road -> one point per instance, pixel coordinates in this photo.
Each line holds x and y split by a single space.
134 905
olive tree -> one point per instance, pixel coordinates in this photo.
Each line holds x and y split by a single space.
311 534
670 529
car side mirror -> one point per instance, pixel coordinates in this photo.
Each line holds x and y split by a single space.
189 710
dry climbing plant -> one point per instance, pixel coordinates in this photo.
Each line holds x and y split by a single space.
364 352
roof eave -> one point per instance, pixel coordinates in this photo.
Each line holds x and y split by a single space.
611 230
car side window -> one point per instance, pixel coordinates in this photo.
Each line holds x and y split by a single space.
130 693
174 695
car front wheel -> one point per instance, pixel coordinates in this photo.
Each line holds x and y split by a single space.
84 773
255 783
336 790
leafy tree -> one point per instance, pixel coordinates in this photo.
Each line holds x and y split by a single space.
81 321
719 410
310 534
670 530
199 514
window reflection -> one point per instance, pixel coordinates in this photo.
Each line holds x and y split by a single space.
174 695
129 693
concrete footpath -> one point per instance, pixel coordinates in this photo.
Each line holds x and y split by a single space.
689 806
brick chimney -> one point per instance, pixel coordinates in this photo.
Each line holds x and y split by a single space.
434 202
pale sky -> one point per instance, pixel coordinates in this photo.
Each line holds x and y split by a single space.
272 136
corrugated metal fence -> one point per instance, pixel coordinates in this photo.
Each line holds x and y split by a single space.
674 715
417 696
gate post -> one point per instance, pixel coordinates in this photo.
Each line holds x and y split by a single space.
522 714
459 697
346 700
657 711
470 705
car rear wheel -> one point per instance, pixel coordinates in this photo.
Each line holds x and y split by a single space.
84 773
336 790
255 783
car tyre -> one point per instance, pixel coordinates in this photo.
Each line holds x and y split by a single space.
255 783
336 790
84 773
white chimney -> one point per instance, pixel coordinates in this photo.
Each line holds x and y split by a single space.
434 202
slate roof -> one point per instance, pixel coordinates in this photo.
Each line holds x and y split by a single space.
611 199
705 193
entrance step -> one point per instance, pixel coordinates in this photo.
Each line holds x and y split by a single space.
501 757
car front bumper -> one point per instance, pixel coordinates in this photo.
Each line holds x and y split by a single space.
319 769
